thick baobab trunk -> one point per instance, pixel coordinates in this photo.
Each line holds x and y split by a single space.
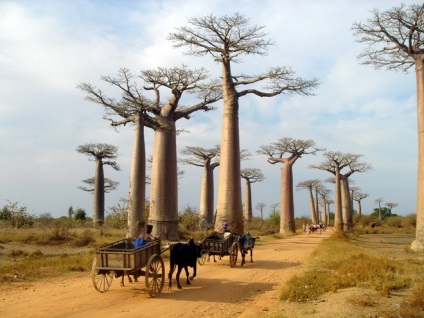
136 202
229 207
418 244
164 187
338 218
287 206
99 195
328 215
248 202
313 210
345 199
207 194
359 209
324 212
316 206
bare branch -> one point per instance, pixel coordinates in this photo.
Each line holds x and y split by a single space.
394 38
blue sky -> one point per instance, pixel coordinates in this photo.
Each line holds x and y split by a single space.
48 47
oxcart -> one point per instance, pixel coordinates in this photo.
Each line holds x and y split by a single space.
120 258
220 245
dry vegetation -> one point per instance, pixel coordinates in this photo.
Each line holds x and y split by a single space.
381 262
374 263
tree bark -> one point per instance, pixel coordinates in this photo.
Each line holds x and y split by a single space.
248 201
313 210
324 212
207 194
316 206
359 208
338 218
346 208
99 195
287 206
137 195
418 243
164 187
229 207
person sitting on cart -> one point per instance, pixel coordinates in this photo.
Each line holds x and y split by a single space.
225 232
145 237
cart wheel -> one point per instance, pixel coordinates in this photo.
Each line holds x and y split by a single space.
203 258
155 275
233 254
101 281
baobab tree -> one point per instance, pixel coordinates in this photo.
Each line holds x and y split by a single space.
324 194
334 163
390 206
394 40
310 186
329 202
133 109
352 189
318 187
354 165
208 159
98 153
250 175
164 178
226 39
294 148
379 201
260 206
358 197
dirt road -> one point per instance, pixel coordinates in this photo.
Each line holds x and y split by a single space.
217 291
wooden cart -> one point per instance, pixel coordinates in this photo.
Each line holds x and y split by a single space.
119 258
221 246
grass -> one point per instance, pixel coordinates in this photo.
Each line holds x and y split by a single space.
343 261
37 253
32 268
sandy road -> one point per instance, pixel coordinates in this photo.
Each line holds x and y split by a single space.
217 291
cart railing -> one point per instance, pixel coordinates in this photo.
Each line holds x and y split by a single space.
214 245
121 256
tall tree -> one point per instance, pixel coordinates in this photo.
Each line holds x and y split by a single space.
133 108
208 159
164 179
250 175
317 187
358 197
294 148
334 162
226 39
324 193
394 40
353 189
329 202
353 165
310 185
260 206
99 152
379 201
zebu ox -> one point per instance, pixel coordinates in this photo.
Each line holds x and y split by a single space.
183 255
247 243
